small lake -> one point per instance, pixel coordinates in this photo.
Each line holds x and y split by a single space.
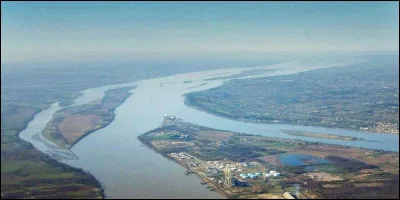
293 159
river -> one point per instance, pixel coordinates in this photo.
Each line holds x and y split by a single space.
127 169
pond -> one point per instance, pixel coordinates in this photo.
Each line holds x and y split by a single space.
294 159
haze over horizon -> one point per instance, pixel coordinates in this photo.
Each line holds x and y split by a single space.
81 31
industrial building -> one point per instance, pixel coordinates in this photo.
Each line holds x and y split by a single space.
228 177
240 183
272 173
259 174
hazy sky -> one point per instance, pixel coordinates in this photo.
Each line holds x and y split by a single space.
65 31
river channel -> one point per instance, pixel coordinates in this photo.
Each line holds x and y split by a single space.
127 169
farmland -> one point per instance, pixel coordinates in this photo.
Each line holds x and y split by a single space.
71 124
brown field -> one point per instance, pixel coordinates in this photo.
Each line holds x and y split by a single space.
386 162
268 196
214 135
363 174
324 176
271 160
74 126
373 184
171 144
310 195
325 150
331 186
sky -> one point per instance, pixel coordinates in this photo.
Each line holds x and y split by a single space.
75 31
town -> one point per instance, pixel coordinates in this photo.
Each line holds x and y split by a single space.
359 97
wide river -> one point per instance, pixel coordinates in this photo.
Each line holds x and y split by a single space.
127 169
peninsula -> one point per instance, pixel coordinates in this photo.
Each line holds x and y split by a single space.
247 166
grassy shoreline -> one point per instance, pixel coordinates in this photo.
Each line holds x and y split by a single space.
319 135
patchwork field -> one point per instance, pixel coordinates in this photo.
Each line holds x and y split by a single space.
74 126
214 135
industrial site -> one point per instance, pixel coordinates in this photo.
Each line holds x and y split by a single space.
227 176
247 166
